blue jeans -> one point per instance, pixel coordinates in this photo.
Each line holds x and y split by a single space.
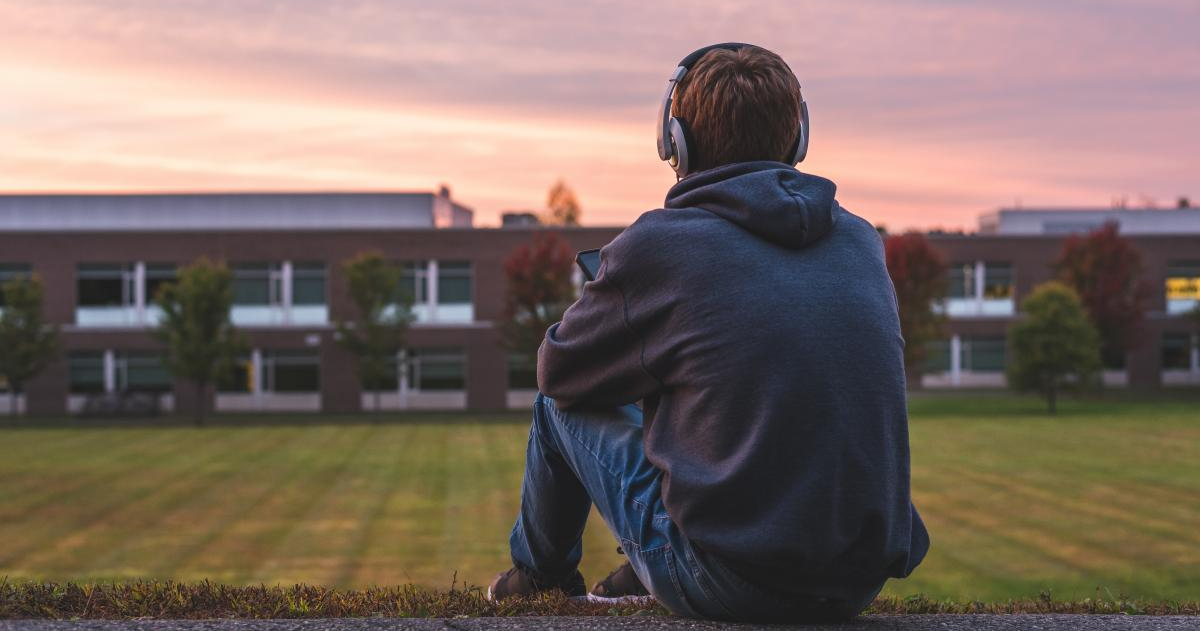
575 458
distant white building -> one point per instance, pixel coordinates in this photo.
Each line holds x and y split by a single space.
1060 221
189 212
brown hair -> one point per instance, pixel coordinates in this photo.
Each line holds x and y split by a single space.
738 106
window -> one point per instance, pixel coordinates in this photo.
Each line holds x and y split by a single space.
291 371
522 373
85 372
142 372
997 281
104 285
308 284
1176 351
436 369
961 278
1182 286
454 282
257 284
937 357
240 378
9 272
157 275
983 354
390 380
414 282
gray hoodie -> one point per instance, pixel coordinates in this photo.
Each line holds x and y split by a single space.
756 318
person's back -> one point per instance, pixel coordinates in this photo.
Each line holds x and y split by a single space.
756 319
766 314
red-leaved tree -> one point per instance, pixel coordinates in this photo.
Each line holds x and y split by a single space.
918 272
1105 269
539 291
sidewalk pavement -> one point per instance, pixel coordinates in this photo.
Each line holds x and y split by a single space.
972 622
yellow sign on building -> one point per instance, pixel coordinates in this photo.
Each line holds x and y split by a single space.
1182 288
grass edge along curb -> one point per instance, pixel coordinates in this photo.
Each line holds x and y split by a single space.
208 600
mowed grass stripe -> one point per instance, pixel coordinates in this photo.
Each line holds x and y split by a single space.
483 498
1116 518
312 551
97 463
270 534
400 546
391 456
236 547
370 552
170 535
206 528
177 484
67 511
1016 501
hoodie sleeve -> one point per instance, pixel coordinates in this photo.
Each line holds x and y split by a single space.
596 355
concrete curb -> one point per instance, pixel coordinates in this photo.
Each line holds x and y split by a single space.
973 622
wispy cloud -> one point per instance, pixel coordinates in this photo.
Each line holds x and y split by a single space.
926 112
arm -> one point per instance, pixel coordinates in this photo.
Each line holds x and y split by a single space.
595 355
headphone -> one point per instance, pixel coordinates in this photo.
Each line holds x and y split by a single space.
674 137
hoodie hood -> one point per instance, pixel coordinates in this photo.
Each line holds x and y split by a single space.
770 199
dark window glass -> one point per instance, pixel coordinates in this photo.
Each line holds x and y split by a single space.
454 282
143 372
9 272
308 284
255 284
157 275
414 281
997 280
1176 351
433 370
390 381
522 373
293 371
961 281
105 285
937 356
239 379
983 354
85 372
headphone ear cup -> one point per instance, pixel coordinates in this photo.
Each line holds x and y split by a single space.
800 149
682 139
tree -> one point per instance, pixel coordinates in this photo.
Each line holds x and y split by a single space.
28 342
918 273
562 206
1055 347
1105 269
202 343
376 335
539 291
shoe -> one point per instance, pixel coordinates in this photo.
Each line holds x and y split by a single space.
622 586
515 582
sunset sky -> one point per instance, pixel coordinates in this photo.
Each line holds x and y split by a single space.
926 112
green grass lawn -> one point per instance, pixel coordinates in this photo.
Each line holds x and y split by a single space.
1105 495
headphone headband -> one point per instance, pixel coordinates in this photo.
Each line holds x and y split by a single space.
691 59
672 134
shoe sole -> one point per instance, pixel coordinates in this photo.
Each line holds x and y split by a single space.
621 600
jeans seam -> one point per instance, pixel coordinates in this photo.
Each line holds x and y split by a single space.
672 561
694 568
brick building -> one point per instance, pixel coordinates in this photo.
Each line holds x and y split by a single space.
102 257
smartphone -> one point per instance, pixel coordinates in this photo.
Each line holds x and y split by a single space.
589 262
